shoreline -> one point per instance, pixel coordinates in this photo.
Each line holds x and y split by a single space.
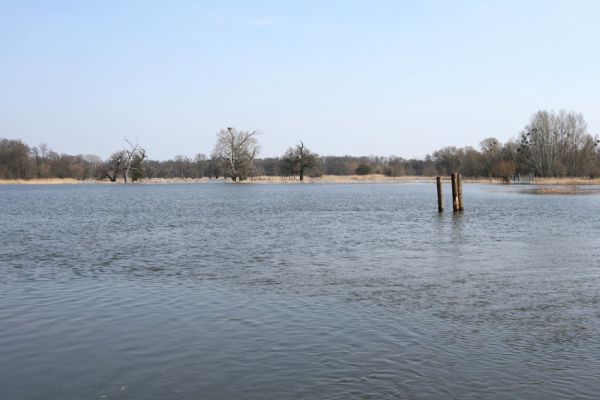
325 179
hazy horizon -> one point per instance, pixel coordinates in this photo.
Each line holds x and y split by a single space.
345 77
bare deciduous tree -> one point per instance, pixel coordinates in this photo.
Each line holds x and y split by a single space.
200 165
129 163
555 144
298 160
236 149
113 167
134 158
504 169
395 167
448 159
15 160
490 151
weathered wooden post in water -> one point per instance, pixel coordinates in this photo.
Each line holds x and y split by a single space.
457 193
440 194
454 178
461 206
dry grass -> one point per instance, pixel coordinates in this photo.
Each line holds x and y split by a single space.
372 178
565 181
379 178
70 181
561 190
166 181
50 181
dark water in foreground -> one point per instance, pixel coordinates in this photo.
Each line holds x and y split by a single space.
300 291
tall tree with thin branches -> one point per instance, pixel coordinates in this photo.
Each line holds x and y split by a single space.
237 149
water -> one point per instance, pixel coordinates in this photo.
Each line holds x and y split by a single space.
297 291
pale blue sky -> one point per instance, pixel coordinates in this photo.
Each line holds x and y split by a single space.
346 77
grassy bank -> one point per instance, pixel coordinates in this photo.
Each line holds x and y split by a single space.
566 181
378 178
326 179
561 190
50 181
372 178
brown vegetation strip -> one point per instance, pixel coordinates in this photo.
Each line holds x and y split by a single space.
50 181
566 181
568 190
371 178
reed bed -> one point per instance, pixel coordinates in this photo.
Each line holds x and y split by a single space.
49 181
561 190
566 181
371 178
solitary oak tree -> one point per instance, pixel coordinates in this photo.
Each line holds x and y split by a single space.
128 162
298 160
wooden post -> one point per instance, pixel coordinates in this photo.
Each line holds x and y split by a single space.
440 194
454 192
461 206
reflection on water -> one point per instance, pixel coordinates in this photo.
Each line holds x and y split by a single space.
300 291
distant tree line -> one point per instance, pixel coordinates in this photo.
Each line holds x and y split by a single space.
552 144
19 161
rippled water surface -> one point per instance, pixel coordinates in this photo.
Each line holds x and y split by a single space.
218 291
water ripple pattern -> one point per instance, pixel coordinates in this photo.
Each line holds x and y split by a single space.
221 291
